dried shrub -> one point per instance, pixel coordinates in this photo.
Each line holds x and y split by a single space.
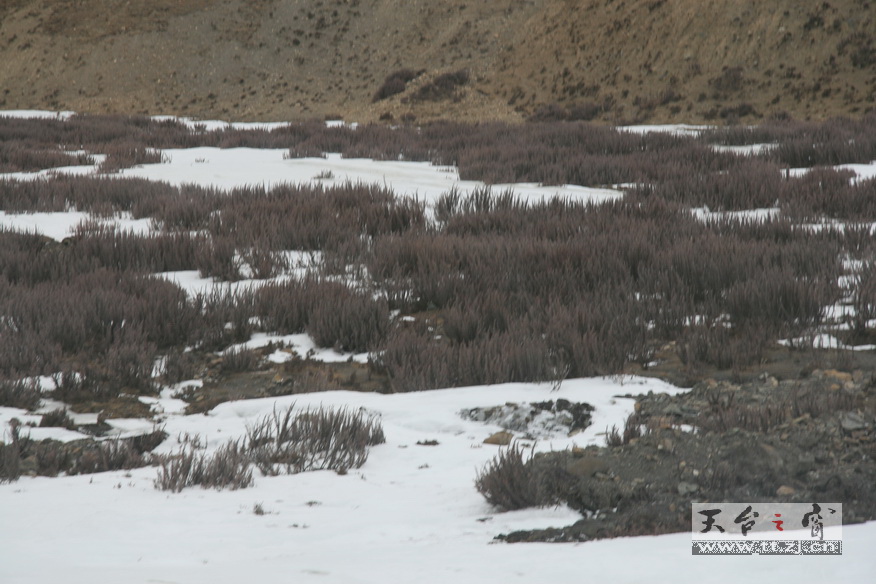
52 458
147 442
347 320
57 419
752 184
226 318
731 80
130 360
10 452
180 365
237 359
263 262
633 429
20 393
861 49
102 195
25 156
113 454
395 83
228 467
121 155
550 112
111 248
322 439
833 142
863 289
442 87
510 481
220 260
514 290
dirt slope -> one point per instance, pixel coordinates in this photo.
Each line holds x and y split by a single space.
654 60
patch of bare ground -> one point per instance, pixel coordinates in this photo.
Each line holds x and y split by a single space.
293 377
799 440
692 61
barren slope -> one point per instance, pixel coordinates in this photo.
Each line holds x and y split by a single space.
656 60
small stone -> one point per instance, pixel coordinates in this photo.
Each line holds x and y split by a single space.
686 488
673 410
502 438
785 490
839 375
587 466
852 421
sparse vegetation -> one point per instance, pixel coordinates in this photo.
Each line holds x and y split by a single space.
395 83
509 481
509 280
228 467
442 87
322 439
287 441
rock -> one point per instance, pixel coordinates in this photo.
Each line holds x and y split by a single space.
673 410
686 488
852 421
785 490
838 375
586 467
502 438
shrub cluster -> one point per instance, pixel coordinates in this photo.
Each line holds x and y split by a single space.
806 144
503 290
228 467
395 83
50 457
20 393
321 439
284 441
511 481
10 452
586 289
443 86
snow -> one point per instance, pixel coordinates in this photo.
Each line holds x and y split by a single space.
411 513
676 129
705 215
54 225
230 168
213 125
300 345
35 114
745 150
63 224
823 341
862 171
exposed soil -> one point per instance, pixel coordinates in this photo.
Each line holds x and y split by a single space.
684 61
783 363
290 378
817 443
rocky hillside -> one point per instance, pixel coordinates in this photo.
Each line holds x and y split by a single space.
612 60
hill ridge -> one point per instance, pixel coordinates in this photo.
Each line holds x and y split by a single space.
608 60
